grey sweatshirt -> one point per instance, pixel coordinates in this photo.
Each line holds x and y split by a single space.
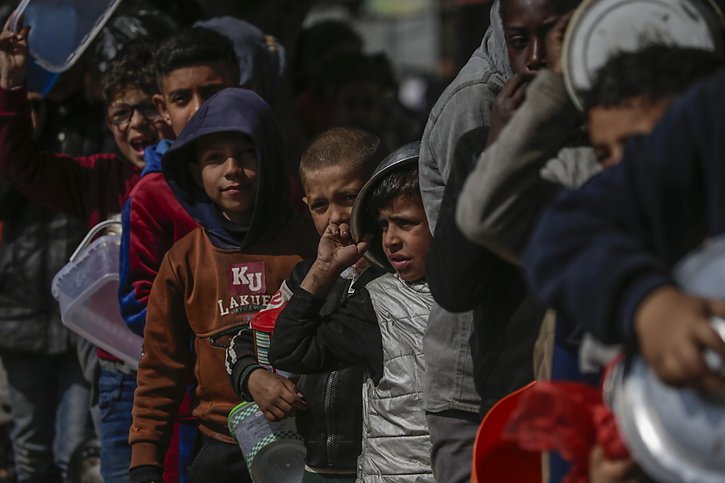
520 173
464 106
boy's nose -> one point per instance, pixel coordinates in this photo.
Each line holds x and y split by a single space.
137 118
536 60
196 102
232 167
391 240
338 215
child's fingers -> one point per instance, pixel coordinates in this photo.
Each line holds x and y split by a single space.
301 404
674 370
274 414
332 229
513 85
282 405
362 247
717 307
709 337
519 95
344 229
291 396
713 384
22 36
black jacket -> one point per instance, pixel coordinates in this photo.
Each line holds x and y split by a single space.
465 276
332 426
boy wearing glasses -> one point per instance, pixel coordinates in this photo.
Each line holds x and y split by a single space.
90 188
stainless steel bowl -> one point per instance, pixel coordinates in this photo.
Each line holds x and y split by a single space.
601 28
363 223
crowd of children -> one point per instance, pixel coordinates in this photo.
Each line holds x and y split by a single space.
417 276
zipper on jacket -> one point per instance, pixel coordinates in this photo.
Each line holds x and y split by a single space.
329 429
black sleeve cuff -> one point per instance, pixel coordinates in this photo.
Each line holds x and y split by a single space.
146 474
242 381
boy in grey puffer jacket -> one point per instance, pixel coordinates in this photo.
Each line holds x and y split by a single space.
380 326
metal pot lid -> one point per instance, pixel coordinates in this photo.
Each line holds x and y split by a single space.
702 272
362 223
602 28
674 434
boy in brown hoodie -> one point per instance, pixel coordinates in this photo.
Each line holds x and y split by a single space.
227 171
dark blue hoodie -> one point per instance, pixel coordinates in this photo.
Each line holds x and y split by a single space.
239 111
599 251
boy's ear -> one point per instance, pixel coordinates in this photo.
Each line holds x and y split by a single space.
195 172
304 200
161 106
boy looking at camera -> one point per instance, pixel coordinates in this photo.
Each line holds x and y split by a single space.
227 170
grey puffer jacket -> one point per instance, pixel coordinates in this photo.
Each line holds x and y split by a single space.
381 326
396 442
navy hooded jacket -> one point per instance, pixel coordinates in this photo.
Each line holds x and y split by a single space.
599 251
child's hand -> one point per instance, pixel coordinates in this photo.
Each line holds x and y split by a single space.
602 470
555 44
673 329
275 395
506 104
13 55
337 250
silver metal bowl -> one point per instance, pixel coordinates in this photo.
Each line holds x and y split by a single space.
600 29
362 222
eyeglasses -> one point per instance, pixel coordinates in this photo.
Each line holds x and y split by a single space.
120 114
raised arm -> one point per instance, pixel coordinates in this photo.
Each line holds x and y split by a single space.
64 183
306 342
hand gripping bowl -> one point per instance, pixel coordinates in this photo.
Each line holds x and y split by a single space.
86 289
675 434
363 223
600 29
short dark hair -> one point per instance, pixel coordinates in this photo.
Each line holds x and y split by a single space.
194 46
401 182
353 148
655 73
132 68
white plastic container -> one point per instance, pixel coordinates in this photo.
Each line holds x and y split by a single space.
274 452
86 289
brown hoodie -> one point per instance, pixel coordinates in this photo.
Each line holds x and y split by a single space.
213 280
